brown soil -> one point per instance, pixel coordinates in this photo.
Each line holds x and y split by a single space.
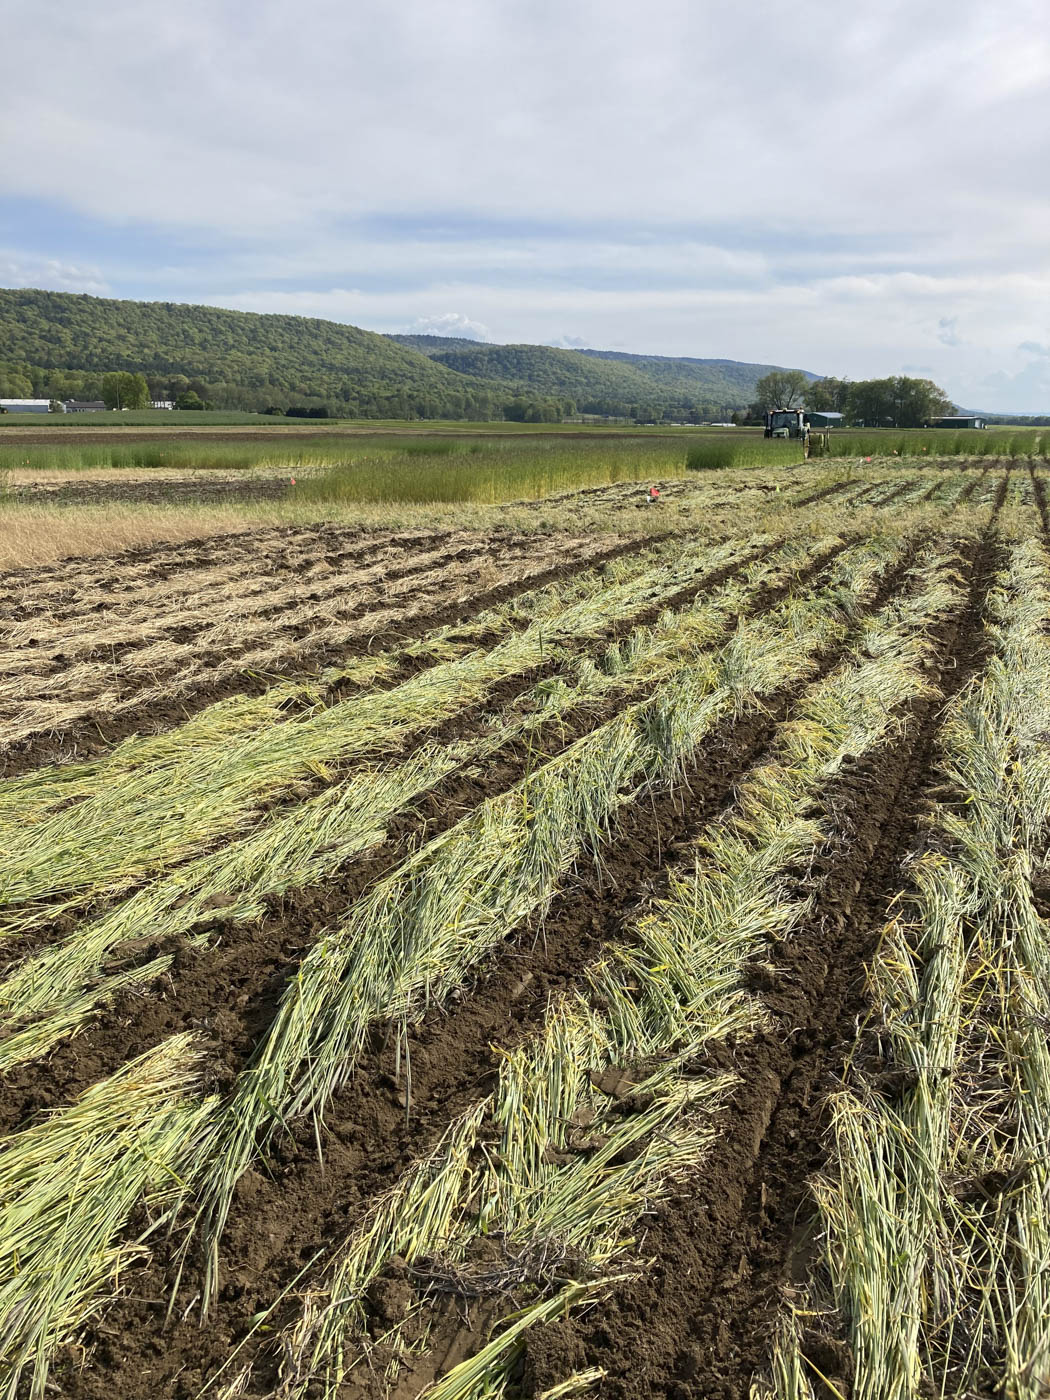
286 1209
163 491
728 1251
536 563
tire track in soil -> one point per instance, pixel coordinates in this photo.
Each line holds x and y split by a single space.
90 738
402 567
268 567
700 1324
464 724
254 960
283 1213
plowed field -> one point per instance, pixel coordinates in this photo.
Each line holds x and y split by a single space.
528 965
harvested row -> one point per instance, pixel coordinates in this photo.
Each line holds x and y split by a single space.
539 1185
56 735
63 583
209 652
76 813
158 608
73 684
936 1204
508 859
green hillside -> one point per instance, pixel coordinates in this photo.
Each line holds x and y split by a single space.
602 381
235 358
59 345
724 379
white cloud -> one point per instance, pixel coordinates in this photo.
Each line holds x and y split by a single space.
450 323
27 270
843 189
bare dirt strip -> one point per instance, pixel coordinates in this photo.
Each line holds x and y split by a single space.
257 959
287 1208
163 491
491 570
701 1321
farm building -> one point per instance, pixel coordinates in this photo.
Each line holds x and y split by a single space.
25 405
162 403
84 406
825 420
961 420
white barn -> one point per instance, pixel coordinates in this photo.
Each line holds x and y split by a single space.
26 405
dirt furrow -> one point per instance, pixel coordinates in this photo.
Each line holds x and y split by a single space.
283 1212
87 738
700 1322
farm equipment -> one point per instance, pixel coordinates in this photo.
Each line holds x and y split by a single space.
793 423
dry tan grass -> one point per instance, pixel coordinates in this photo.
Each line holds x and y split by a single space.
83 476
56 693
31 535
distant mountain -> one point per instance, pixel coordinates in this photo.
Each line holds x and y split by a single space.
686 373
236 358
655 384
59 345
602 380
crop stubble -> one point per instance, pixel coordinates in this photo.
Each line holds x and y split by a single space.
659 1336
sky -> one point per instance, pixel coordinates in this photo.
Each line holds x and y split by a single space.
853 191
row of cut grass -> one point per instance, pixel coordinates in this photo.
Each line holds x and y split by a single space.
937 1202
507 859
49 995
158 815
549 1170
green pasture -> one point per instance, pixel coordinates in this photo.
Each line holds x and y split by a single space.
938 442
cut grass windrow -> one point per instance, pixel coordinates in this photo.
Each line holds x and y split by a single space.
230 722
937 1201
136 680
161 814
68 1189
47 996
451 901
540 1185
421 930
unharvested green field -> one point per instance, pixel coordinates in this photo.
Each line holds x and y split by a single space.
938 442
423 468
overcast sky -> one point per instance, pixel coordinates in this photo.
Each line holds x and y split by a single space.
853 191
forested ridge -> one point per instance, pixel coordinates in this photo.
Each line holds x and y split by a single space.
60 344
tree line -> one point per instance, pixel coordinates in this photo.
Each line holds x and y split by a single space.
895 402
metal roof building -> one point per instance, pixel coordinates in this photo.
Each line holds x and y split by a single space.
26 405
960 420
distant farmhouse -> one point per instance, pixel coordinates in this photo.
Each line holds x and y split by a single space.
84 406
25 405
162 403
959 420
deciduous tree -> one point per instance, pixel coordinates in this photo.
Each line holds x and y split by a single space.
781 388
